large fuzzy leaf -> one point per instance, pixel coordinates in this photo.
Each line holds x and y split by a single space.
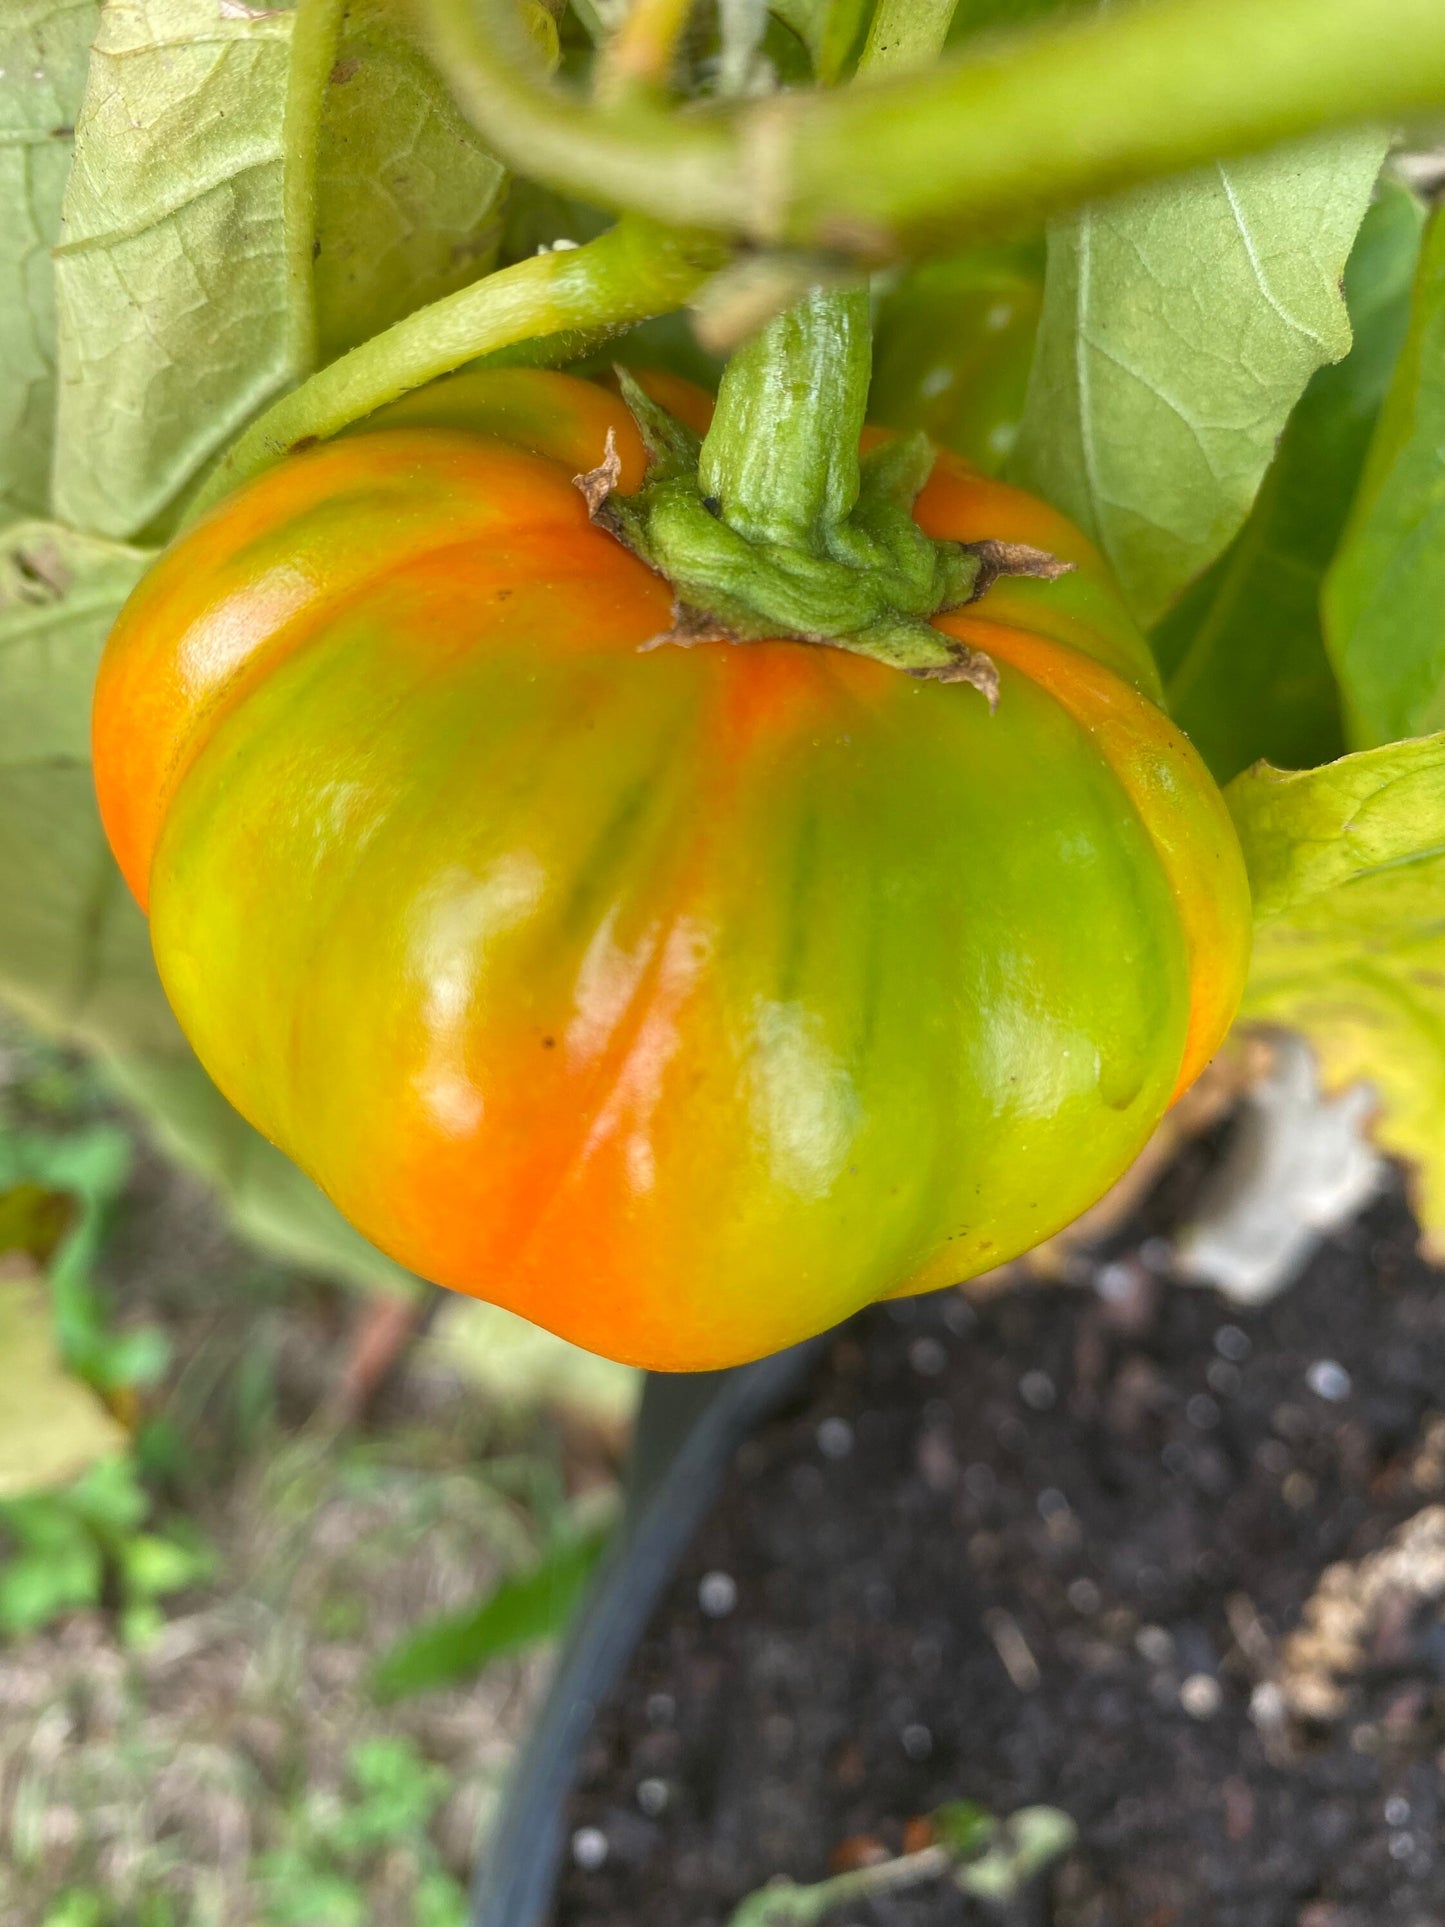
1243 654
1180 325
1347 865
44 46
408 200
177 315
1386 591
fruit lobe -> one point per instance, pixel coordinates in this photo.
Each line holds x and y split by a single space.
681 1000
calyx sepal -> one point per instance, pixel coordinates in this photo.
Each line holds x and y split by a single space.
867 582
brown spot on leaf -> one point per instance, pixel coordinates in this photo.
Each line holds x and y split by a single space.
345 69
41 573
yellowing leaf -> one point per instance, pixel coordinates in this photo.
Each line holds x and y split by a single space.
53 1425
1347 864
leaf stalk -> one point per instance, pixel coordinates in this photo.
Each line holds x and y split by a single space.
1015 129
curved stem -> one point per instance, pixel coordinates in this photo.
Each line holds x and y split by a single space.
314 39
905 34
1021 127
641 52
556 304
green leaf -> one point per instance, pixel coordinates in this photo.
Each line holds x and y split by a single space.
408 200
110 1499
521 1611
1347 867
53 1426
44 47
1383 597
176 310
398 1790
829 29
152 1566
1026 1843
75 955
1243 653
964 1827
1179 328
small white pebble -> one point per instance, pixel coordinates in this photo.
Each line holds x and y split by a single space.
1397 1810
1114 1283
1200 1696
652 1797
917 1741
589 1848
1154 1644
1038 1391
717 1594
835 1438
1267 1705
927 1357
1328 1379
1402 1845
1084 1596
1051 1503
1232 1343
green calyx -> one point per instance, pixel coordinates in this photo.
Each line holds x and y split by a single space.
772 525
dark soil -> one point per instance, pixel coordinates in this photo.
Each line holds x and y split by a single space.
1050 1549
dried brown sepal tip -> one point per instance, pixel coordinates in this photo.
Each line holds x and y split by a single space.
965 665
599 484
689 625
997 559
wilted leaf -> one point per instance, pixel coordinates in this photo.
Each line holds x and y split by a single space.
1180 325
1243 654
176 315
75 952
518 1614
51 1425
1347 865
44 46
408 200
1386 591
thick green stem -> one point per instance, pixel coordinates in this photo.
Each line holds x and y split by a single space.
906 34
550 308
781 456
1021 127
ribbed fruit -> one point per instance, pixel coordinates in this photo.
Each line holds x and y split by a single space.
682 1000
